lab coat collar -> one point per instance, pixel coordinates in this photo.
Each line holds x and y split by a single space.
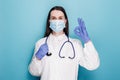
60 37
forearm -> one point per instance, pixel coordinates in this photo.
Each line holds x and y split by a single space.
91 58
35 67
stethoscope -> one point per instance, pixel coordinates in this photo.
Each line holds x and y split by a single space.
68 41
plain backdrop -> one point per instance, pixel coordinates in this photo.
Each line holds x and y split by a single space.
22 23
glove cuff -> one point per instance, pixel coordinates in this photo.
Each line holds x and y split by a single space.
86 40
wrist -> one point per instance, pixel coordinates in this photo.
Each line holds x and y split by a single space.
87 39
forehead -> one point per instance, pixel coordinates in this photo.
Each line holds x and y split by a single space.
56 13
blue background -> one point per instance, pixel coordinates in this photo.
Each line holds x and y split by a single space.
22 23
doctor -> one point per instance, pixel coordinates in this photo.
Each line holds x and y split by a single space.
57 56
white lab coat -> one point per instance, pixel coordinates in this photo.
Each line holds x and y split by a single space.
55 68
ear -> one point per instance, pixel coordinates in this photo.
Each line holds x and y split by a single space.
65 21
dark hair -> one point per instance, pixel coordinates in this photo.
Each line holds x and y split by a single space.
48 30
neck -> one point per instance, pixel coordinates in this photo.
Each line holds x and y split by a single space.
58 33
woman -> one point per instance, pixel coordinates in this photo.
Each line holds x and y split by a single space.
56 56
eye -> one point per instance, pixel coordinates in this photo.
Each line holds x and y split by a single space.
53 18
61 18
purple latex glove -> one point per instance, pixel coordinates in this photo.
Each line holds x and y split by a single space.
81 31
42 51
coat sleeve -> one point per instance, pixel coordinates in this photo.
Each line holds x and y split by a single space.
35 67
89 58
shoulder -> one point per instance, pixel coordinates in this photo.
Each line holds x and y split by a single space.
41 41
75 41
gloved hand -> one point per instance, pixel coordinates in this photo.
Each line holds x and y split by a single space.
81 31
42 51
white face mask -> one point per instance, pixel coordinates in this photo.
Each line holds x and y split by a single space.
57 25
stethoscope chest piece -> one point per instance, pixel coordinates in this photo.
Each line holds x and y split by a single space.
49 54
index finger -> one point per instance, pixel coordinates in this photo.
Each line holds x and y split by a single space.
79 21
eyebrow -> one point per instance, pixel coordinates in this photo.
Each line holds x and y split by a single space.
55 16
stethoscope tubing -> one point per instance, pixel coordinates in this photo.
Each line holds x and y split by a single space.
68 41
